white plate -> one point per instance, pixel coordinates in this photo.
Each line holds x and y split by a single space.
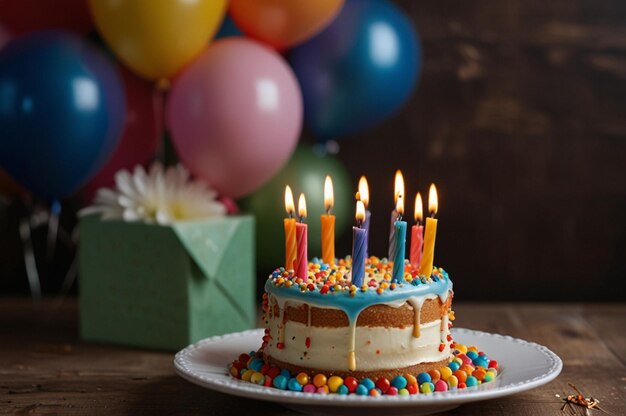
523 366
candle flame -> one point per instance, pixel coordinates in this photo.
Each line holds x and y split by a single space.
329 197
289 205
419 208
400 205
433 203
364 192
360 211
398 186
302 207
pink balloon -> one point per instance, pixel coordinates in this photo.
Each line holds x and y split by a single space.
141 135
235 115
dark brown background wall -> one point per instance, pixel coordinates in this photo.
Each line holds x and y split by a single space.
520 119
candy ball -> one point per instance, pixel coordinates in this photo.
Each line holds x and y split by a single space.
462 385
434 375
412 388
285 373
467 368
399 382
461 375
368 383
472 354
479 373
343 390
273 372
257 378
361 390
454 366
488 377
410 379
309 388
280 382
323 389
319 380
471 381
453 382
423 378
351 383
441 385
303 378
246 375
462 348
268 381
403 392
334 382
383 384
293 384
392 391
427 387
256 364
480 362
493 364
375 392
445 372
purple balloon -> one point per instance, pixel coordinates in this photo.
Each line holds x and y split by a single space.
235 115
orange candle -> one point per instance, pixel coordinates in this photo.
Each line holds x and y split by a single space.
426 264
290 231
328 224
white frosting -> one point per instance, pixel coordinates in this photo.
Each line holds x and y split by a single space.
376 347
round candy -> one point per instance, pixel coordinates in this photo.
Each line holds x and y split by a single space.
461 375
280 382
410 379
234 372
403 392
351 383
334 382
445 372
383 384
467 368
392 391
464 358
244 358
493 364
488 377
412 388
399 382
472 354
368 383
480 362
375 392
434 375
285 373
323 389
423 378
246 375
454 366
361 390
319 380
441 385
268 381
462 385
273 372
293 384
257 378
343 390
303 378
462 348
427 387
453 382
256 364
471 381
309 388
479 373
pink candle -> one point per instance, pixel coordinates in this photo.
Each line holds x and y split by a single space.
301 240
417 233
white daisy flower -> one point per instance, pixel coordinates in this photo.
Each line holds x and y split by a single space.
157 196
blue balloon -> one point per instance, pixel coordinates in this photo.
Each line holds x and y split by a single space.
62 110
359 70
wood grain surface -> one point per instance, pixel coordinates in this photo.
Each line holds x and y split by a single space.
46 370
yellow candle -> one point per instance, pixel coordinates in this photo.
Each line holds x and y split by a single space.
328 224
290 231
426 264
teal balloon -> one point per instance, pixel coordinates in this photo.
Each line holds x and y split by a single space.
305 173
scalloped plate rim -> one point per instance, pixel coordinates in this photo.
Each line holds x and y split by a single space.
224 383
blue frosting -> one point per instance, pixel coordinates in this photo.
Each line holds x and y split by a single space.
353 305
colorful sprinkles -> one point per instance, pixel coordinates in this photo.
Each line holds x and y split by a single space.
468 368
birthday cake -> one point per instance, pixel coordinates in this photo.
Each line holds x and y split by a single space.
326 324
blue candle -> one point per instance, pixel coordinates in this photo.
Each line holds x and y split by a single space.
398 258
366 226
364 195
359 247
398 194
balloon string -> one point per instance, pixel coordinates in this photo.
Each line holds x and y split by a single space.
26 235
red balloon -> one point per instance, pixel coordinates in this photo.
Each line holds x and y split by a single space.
141 135
21 16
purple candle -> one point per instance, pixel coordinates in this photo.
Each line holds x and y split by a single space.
359 246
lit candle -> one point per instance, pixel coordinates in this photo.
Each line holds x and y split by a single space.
426 263
301 240
400 239
328 224
364 195
290 231
398 191
359 246
417 233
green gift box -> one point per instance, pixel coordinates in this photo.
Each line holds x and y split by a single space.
166 286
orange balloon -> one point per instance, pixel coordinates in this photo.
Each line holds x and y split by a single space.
283 23
7 185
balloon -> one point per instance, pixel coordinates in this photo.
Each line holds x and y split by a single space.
359 70
61 111
305 172
283 23
22 16
140 137
156 38
235 115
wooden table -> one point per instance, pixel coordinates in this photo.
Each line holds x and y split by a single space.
46 369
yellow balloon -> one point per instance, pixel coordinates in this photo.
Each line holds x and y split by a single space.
156 38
